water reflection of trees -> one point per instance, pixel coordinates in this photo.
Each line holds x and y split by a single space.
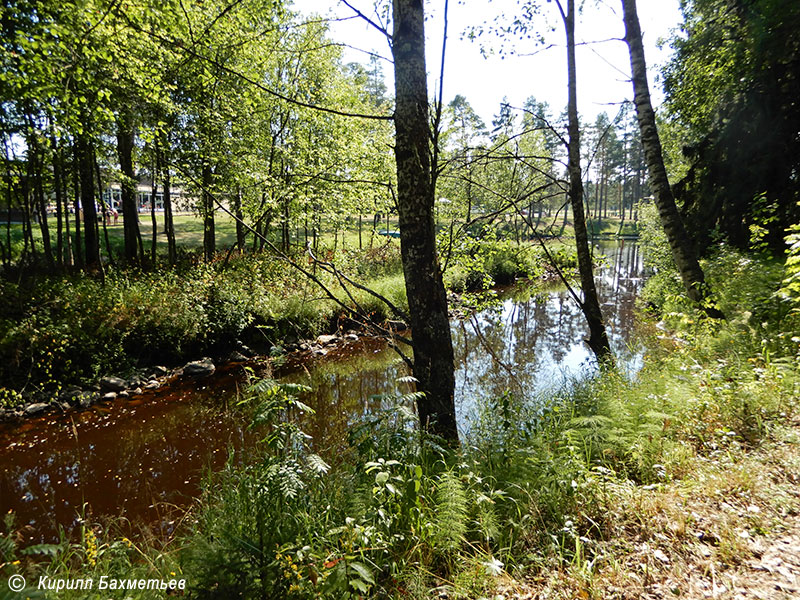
541 340
117 466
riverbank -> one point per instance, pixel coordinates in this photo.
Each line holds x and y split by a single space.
60 337
608 487
731 530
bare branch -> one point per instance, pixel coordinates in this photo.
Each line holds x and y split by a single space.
437 122
368 20
362 318
488 347
341 276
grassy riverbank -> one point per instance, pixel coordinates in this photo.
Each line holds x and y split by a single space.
609 488
60 331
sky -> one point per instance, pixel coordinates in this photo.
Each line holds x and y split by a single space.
486 78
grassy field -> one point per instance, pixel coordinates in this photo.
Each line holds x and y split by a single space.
189 233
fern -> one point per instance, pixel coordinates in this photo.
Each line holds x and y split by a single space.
486 521
451 513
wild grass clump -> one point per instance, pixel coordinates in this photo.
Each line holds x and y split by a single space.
391 287
82 559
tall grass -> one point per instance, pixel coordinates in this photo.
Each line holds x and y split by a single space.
58 332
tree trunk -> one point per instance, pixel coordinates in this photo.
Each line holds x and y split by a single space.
169 224
209 237
153 221
469 196
240 232
683 251
598 339
7 254
285 241
130 211
60 204
85 170
76 204
27 221
37 163
427 301
104 209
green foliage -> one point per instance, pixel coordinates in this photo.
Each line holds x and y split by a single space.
91 553
451 511
790 286
73 329
478 264
664 284
731 91
537 482
253 512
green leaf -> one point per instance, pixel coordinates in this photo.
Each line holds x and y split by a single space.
43 549
364 572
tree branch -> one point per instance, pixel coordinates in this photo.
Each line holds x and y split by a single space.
368 20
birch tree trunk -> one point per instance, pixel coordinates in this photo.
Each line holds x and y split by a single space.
598 338
683 251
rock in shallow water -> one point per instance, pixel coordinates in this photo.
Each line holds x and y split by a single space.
112 384
198 368
34 409
326 340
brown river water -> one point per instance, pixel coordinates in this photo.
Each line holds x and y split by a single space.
143 459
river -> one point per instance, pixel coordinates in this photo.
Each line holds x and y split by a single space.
143 459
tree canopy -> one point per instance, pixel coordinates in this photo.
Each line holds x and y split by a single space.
732 89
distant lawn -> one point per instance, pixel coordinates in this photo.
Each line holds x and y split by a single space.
189 232
611 226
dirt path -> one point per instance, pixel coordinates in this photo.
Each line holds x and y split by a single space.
773 574
756 552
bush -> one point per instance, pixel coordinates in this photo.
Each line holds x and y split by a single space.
479 264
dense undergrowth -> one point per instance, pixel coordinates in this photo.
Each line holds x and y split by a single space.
539 483
55 332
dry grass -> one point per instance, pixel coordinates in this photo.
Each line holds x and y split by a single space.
730 530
